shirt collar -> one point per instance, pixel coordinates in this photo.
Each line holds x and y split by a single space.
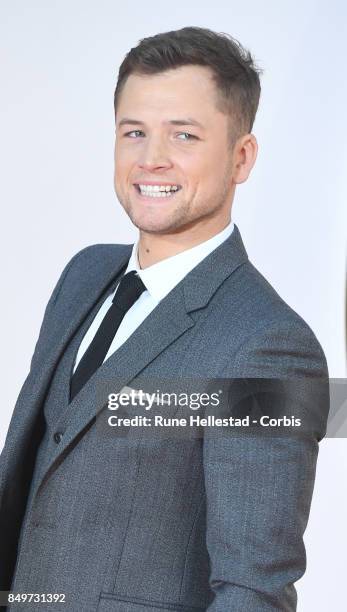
163 276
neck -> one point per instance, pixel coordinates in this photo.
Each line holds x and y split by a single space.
154 247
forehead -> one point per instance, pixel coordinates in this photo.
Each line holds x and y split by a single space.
187 89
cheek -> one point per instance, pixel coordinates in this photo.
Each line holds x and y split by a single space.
122 168
202 175
123 158
195 169
119 179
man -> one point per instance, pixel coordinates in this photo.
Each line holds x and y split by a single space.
131 522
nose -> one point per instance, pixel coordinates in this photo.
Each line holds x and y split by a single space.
154 155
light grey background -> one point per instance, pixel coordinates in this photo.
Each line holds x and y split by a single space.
59 68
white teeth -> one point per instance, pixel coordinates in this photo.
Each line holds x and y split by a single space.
158 187
154 191
158 194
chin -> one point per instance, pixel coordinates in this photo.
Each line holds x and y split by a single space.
155 220
153 227
147 221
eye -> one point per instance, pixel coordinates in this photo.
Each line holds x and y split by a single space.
187 135
129 134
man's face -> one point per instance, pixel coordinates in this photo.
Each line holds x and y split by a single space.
170 134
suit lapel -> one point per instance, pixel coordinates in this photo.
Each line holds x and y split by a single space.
84 302
169 320
60 336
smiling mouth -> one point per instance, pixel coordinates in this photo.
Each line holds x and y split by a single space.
157 191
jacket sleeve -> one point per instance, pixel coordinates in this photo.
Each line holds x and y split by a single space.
259 487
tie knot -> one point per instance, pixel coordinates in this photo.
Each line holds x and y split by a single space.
128 290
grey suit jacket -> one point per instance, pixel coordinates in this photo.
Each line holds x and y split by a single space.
210 522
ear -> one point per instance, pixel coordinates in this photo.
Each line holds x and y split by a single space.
245 154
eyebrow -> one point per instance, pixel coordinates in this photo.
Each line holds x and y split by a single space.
187 121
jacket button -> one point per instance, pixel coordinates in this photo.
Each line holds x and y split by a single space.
57 436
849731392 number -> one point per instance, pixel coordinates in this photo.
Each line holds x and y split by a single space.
36 597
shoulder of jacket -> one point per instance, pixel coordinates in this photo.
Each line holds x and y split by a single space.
267 318
91 259
264 303
96 252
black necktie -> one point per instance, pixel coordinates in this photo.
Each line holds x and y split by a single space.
128 291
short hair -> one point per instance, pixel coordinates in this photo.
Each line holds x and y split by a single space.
233 69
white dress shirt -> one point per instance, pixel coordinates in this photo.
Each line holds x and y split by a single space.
159 279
